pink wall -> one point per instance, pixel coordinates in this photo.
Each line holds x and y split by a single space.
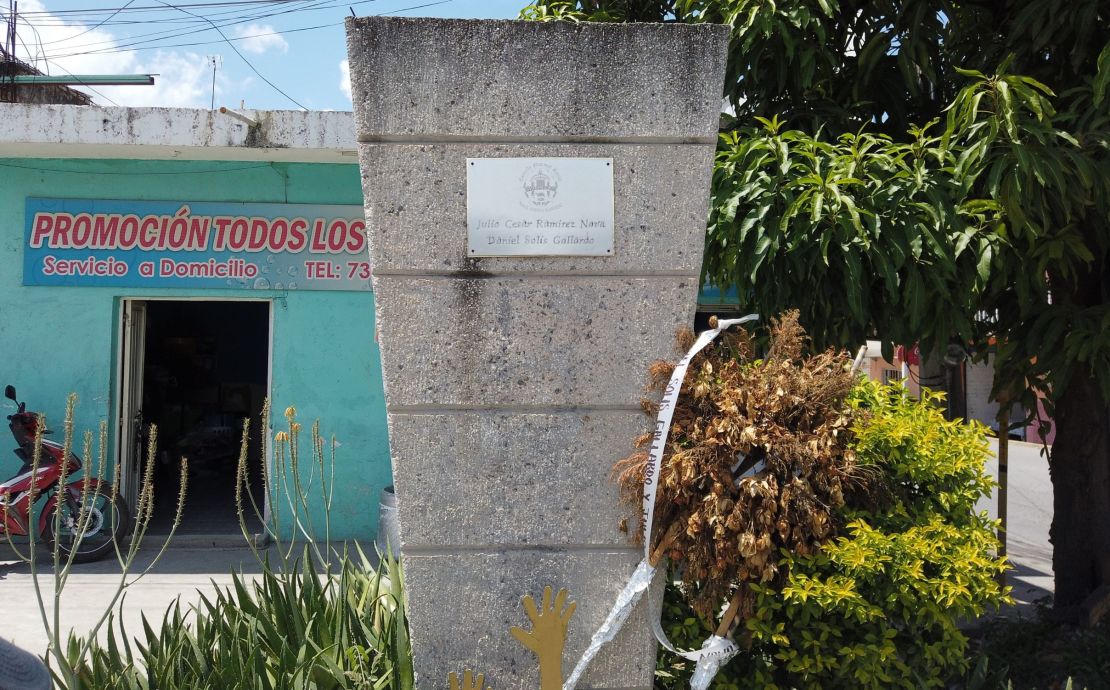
875 368
1032 434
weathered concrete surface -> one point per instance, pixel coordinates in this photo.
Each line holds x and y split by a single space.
659 229
85 131
476 479
530 80
536 340
472 623
513 384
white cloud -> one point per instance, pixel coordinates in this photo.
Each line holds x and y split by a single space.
345 78
258 38
60 47
184 79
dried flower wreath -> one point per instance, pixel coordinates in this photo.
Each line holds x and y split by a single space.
757 460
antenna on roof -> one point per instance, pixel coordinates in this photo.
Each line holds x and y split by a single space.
214 60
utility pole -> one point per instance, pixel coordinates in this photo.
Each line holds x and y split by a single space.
10 92
9 38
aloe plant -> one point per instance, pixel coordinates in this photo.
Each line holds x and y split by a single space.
322 620
286 630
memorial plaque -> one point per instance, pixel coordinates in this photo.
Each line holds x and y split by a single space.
539 206
511 385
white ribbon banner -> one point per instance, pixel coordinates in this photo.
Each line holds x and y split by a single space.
716 651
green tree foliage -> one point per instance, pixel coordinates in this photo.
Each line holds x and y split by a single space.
878 607
853 231
928 171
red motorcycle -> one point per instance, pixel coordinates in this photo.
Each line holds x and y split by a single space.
92 513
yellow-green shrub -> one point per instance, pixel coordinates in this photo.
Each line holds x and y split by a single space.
877 607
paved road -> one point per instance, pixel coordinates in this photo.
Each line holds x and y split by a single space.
183 570
1030 514
90 587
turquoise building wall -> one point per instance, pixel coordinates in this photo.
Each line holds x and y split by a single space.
54 340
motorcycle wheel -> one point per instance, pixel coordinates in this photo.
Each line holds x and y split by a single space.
89 534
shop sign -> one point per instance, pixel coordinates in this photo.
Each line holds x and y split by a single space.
539 206
183 244
910 355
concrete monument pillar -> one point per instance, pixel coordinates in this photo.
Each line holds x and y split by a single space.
513 382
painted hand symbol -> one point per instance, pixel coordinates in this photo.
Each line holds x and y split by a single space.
548 635
468 681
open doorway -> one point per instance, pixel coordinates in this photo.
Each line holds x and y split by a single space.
195 369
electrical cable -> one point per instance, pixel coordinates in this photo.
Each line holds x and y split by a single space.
91 28
33 57
140 8
47 65
137 45
114 42
215 41
225 40
415 7
319 5
244 59
90 88
925 380
172 33
236 14
128 44
62 22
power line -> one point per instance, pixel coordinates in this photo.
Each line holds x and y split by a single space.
143 39
91 28
416 7
86 85
98 93
61 22
46 63
48 19
132 43
33 57
107 51
140 8
254 69
318 5
172 33
9 35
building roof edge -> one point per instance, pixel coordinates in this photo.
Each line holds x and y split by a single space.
71 131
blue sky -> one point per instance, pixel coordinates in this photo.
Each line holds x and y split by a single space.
298 45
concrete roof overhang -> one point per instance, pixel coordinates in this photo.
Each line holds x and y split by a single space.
82 131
